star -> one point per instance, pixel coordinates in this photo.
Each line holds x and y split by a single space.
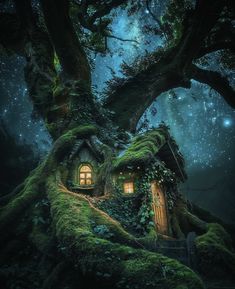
227 122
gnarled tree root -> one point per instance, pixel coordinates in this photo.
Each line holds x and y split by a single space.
11 213
106 255
52 280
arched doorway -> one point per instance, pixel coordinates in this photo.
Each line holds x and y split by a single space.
159 208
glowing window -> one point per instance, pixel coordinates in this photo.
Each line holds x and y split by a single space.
129 187
85 175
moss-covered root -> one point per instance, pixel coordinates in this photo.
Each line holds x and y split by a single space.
34 185
6 198
54 277
92 218
214 248
11 213
185 221
87 244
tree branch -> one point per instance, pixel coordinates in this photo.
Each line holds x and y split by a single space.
130 100
105 48
121 39
172 68
199 25
221 45
223 37
102 8
216 81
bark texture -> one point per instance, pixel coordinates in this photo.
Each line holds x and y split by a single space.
42 218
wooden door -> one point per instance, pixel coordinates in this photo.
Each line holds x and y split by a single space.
159 208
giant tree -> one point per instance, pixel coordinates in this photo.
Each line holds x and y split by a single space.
52 225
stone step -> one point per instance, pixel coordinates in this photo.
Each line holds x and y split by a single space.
175 249
182 250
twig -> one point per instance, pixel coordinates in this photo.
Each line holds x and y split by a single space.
122 39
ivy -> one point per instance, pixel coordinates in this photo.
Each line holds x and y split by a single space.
135 211
102 231
155 172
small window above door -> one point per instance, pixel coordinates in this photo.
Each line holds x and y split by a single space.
128 187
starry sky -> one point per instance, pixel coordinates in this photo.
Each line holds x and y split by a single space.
200 120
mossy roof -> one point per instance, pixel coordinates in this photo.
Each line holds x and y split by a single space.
145 147
92 145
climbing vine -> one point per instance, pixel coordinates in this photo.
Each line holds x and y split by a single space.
166 179
135 211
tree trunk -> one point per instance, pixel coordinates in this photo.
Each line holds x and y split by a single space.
50 223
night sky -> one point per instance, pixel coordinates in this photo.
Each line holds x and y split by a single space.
200 120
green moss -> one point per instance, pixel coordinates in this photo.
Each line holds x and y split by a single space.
64 144
79 132
107 258
41 233
85 130
51 127
143 148
11 212
124 209
57 62
217 235
40 238
87 216
215 253
149 240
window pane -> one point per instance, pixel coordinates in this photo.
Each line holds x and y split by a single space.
88 175
88 181
82 181
82 176
128 187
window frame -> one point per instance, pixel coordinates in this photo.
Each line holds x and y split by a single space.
85 178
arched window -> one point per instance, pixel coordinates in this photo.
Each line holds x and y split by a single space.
85 175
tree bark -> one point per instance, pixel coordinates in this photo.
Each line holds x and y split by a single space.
67 46
118 260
